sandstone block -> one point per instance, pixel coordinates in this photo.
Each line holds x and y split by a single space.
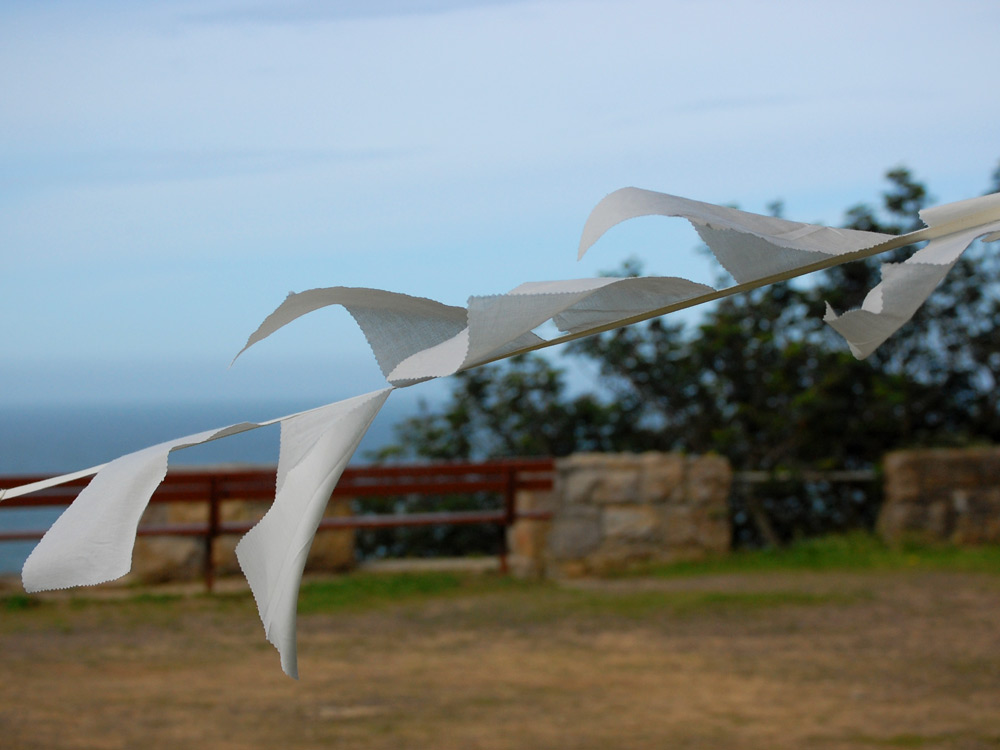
575 533
617 485
527 539
616 510
631 522
661 477
162 559
942 495
576 485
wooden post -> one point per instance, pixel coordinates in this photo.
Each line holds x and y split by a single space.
509 514
212 532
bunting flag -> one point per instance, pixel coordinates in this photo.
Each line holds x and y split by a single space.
92 541
315 449
906 285
415 339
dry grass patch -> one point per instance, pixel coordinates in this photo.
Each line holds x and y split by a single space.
734 659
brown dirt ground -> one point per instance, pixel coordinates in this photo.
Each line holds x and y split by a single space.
803 660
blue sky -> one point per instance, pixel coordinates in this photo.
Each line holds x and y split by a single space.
170 171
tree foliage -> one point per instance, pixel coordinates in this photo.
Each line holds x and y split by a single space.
518 407
760 379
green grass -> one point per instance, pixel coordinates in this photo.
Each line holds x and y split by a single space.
856 551
937 740
19 602
849 552
369 591
514 602
639 605
372 590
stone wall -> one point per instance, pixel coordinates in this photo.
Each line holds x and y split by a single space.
942 495
527 538
612 510
178 558
609 510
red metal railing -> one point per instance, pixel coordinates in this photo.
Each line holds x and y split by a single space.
214 486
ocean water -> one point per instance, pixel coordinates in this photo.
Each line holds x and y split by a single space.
60 439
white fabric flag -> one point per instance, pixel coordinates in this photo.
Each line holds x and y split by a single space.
906 286
749 246
503 323
415 338
315 449
92 541
620 299
395 325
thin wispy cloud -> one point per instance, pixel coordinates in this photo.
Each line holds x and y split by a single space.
122 167
312 11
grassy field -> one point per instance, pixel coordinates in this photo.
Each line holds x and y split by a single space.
857 551
835 643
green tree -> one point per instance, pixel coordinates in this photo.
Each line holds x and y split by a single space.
517 407
761 379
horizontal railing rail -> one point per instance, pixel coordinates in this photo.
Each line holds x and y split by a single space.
217 485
